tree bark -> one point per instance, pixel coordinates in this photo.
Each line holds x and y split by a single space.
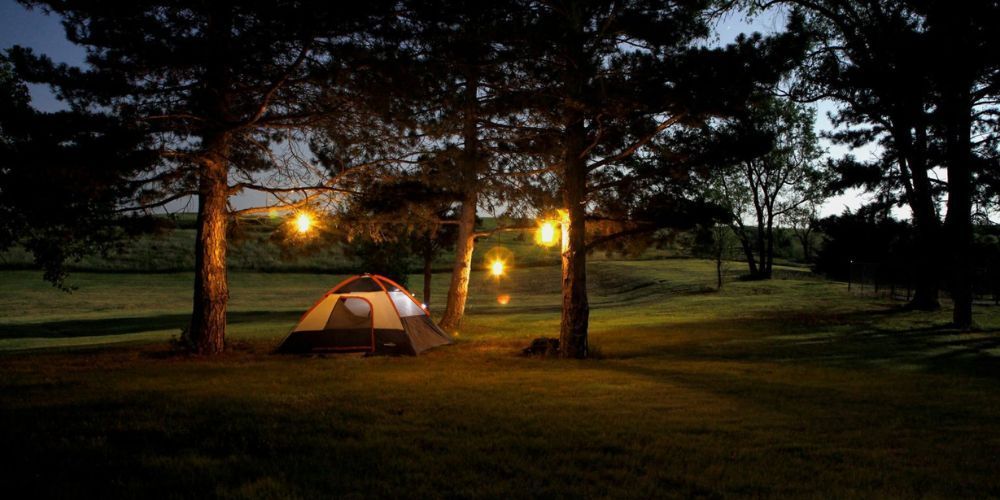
573 341
747 251
927 280
761 239
952 27
959 218
207 331
769 257
428 261
760 236
458 289
718 271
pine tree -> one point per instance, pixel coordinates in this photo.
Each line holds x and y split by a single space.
870 57
62 176
209 84
608 78
444 90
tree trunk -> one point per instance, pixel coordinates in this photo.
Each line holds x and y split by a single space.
718 271
573 326
747 251
768 270
952 27
458 288
761 241
428 261
926 277
926 224
959 218
207 331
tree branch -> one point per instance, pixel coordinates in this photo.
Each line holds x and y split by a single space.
635 146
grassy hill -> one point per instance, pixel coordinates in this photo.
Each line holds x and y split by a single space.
784 388
254 248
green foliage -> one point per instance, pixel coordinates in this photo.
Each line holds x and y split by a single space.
390 258
760 165
866 236
62 178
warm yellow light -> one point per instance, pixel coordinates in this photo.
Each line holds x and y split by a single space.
496 268
303 222
503 299
547 234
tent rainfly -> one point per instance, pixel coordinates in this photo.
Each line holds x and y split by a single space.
365 313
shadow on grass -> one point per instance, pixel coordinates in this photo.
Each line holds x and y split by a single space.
853 339
124 326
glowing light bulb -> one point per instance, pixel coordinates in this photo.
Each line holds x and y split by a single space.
503 299
547 234
496 268
303 222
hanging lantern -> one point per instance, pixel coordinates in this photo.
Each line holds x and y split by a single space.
546 234
499 261
496 268
303 222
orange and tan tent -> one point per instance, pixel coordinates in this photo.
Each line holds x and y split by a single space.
365 313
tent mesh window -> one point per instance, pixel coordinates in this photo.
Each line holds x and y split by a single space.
405 305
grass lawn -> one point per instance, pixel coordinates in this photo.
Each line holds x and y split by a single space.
784 388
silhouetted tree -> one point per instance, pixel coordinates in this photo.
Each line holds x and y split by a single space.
408 210
770 156
920 78
471 107
606 79
392 258
62 176
211 84
964 58
870 57
865 236
430 243
802 221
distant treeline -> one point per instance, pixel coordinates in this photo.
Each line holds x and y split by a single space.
874 249
254 247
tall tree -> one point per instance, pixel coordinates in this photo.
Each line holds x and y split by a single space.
467 107
965 63
766 164
405 210
609 77
802 221
919 77
62 176
209 83
870 57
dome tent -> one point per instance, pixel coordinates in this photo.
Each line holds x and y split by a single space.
365 313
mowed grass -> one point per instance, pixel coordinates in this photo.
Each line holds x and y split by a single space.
784 388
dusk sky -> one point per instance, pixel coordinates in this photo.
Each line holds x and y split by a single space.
44 33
